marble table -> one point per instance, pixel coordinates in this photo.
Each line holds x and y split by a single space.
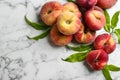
24 59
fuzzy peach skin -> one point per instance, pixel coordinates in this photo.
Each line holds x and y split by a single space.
105 42
72 7
88 4
50 11
58 38
82 3
97 59
68 23
98 8
95 19
105 4
85 35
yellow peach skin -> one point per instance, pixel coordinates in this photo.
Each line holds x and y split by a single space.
72 7
68 23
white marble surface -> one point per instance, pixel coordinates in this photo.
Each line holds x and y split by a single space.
24 59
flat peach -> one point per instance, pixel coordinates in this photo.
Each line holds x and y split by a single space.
68 23
105 4
50 11
58 38
72 7
85 35
105 42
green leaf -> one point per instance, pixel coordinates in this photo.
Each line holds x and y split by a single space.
106 74
71 0
81 48
35 25
107 28
107 17
113 68
44 34
115 19
77 57
117 32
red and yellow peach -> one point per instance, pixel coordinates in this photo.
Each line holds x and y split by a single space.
97 59
72 7
105 42
58 38
85 35
95 19
50 11
68 23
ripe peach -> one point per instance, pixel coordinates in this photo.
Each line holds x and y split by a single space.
105 42
88 4
85 35
58 38
97 59
105 4
50 11
95 19
68 23
98 8
72 7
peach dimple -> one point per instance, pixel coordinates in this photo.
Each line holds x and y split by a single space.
97 59
84 35
105 42
68 23
72 7
50 11
94 19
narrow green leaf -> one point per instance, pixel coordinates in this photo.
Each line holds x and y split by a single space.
44 34
113 68
106 74
107 28
115 19
77 57
71 0
81 48
117 32
35 25
107 17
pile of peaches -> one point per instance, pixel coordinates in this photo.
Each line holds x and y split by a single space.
80 21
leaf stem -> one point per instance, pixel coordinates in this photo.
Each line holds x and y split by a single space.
112 31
